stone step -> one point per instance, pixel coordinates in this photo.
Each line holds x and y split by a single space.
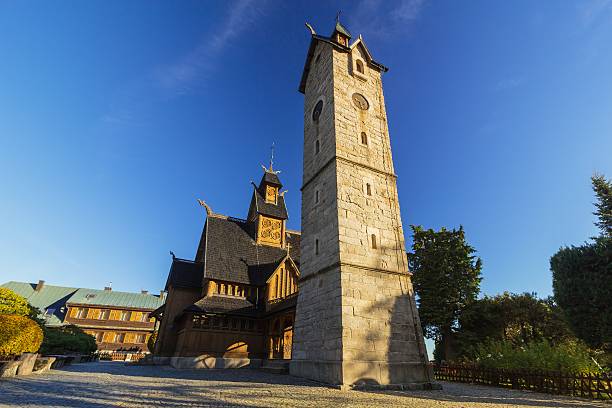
276 366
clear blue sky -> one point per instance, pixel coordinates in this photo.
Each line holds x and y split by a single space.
116 116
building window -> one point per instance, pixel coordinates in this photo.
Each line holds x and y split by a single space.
99 336
316 196
359 65
145 317
140 338
120 338
368 189
374 241
364 139
317 146
82 313
316 112
125 315
317 246
104 314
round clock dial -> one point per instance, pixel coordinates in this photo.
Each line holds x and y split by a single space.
360 101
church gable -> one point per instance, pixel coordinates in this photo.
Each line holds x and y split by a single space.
282 283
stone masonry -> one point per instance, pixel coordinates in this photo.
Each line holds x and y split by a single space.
356 320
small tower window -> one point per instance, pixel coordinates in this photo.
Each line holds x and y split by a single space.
374 241
317 246
368 190
317 146
359 65
316 196
364 138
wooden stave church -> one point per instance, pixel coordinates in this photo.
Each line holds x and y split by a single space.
234 304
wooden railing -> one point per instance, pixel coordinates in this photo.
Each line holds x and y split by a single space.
594 386
122 356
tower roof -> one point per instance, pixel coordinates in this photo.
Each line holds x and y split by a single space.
341 29
270 177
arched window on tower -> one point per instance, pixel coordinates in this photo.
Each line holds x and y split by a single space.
364 138
359 66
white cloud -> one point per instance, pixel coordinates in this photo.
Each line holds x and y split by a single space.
508 83
386 18
180 76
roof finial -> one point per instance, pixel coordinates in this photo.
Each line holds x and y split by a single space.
338 16
271 158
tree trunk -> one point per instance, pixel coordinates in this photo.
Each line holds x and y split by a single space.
446 344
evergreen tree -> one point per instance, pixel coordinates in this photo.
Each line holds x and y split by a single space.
603 192
582 276
446 279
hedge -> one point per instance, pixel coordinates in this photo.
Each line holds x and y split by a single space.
66 340
18 334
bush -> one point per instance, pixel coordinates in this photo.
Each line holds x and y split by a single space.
13 304
570 355
18 334
66 340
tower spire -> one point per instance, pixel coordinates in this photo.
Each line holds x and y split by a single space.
271 158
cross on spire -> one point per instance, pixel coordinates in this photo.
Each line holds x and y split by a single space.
338 16
272 157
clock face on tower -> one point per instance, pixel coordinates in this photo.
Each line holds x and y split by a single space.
270 231
360 101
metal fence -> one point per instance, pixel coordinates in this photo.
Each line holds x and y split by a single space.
594 386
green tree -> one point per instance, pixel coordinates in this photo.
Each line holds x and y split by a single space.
446 280
12 303
603 191
582 276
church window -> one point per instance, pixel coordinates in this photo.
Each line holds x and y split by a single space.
368 189
317 246
364 138
374 241
317 146
316 112
359 65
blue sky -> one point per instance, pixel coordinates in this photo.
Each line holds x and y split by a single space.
115 117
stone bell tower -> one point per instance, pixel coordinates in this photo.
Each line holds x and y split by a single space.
356 319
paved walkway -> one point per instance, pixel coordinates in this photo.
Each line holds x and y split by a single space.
108 384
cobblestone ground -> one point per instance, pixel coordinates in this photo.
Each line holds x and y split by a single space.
107 384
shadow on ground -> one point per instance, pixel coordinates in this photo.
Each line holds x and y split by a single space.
107 384
466 394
